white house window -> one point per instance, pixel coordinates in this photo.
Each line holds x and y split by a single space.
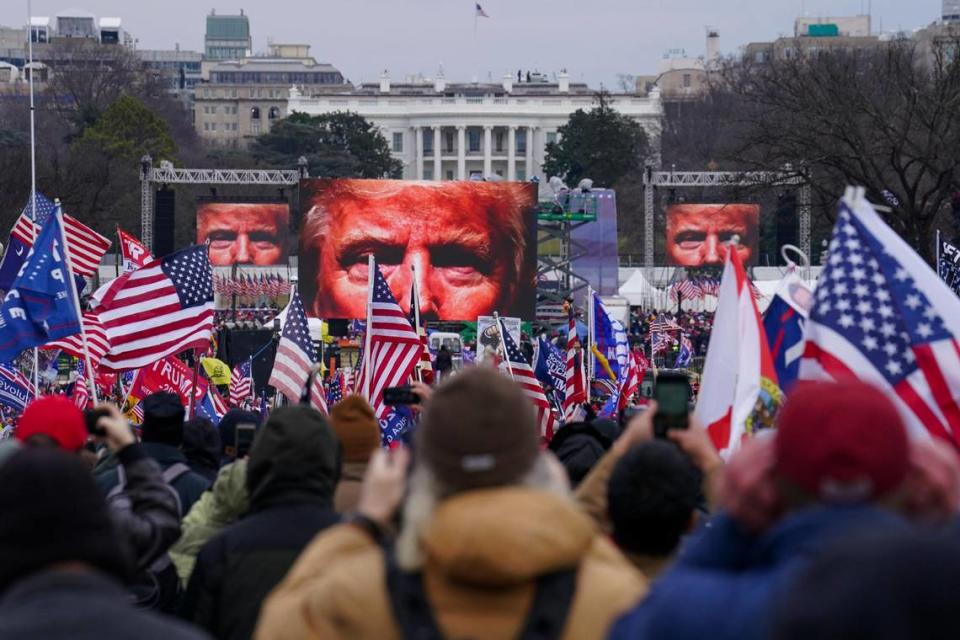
551 137
398 142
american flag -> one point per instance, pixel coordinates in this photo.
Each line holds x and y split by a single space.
318 395
687 289
85 246
479 12
241 384
295 357
97 341
160 309
219 404
882 315
629 384
425 365
395 347
335 393
522 373
575 389
81 391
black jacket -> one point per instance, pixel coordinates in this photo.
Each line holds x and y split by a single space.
190 486
81 606
291 474
152 524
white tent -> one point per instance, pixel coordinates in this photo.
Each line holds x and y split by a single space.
638 291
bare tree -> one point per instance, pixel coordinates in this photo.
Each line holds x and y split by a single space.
883 118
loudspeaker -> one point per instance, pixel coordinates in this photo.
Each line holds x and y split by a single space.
237 345
788 223
163 221
338 328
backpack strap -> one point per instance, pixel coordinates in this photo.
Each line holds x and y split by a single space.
551 605
408 599
174 471
545 620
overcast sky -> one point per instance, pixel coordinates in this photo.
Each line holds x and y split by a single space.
595 40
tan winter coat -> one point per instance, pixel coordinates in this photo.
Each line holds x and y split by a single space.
484 551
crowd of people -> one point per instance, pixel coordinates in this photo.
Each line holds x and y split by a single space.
835 524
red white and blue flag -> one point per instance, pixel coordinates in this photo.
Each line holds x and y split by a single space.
395 348
241 384
85 246
158 310
522 373
574 376
881 314
295 357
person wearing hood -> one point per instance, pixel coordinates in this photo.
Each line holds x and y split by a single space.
62 564
358 431
201 447
291 476
491 543
228 432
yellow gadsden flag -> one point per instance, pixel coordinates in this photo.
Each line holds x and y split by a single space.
217 370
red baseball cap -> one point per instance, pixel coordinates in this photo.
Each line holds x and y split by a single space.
841 441
54 416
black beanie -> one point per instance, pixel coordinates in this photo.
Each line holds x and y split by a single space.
162 418
53 513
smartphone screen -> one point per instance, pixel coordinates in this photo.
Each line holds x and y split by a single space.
243 437
672 393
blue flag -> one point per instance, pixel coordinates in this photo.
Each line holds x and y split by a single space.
205 409
550 369
15 390
783 323
396 426
40 305
610 339
17 248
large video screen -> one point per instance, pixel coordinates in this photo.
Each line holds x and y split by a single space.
473 245
697 233
245 233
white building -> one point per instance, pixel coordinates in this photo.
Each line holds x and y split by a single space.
459 131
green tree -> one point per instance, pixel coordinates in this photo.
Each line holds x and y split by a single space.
102 184
336 145
601 144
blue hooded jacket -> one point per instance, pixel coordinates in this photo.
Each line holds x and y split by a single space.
726 583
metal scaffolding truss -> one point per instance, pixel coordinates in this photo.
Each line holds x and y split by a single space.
680 179
166 173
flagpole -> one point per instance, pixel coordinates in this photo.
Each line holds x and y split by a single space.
415 303
502 330
253 390
58 212
591 320
193 386
367 370
33 174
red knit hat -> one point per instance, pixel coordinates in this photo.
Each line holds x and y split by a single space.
842 442
57 417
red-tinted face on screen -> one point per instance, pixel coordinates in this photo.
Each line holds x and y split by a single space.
466 243
698 234
244 233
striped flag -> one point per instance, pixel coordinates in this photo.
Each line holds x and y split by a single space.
881 314
85 246
17 390
522 373
575 388
318 395
395 347
295 357
160 309
81 391
335 392
241 384
97 341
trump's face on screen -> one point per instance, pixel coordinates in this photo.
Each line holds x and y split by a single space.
465 242
244 233
698 234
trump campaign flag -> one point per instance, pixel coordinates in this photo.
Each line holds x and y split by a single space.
739 394
783 323
881 314
41 305
134 254
17 249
